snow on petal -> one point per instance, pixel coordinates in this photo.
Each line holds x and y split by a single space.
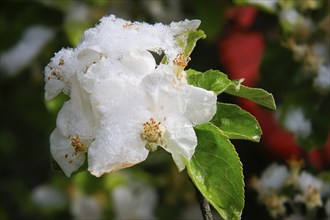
88 57
137 36
118 145
71 120
58 73
139 62
122 104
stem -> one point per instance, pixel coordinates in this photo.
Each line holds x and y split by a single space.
204 205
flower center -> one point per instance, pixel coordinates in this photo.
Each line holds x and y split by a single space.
153 133
312 197
76 143
275 204
179 64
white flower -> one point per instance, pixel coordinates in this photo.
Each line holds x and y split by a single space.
296 216
275 204
48 197
20 55
322 79
155 113
268 4
293 20
122 104
76 127
86 207
327 207
290 15
311 188
272 179
134 201
296 122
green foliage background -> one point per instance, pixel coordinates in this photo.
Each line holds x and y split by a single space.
26 120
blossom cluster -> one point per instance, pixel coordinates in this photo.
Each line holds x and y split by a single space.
281 189
123 103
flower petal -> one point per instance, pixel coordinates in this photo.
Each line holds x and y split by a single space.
64 154
200 104
118 145
58 73
181 140
139 63
77 115
162 95
180 161
88 57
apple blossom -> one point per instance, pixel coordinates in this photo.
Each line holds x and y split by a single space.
122 104
310 187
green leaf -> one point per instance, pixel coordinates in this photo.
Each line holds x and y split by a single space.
74 30
216 171
187 40
236 123
256 95
212 80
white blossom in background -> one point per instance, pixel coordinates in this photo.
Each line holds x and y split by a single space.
272 180
78 12
86 207
322 79
327 207
292 20
163 11
123 104
48 197
267 4
310 188
22 54
296 216
286 195
134 201
296 122
290 15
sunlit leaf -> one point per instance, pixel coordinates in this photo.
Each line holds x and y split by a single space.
212 80
216 171
216 81
236 123
256 95
187 40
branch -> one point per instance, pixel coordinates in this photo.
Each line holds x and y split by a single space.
204 205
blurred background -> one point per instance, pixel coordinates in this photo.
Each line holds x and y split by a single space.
279 45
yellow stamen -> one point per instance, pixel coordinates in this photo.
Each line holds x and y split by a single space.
153 133
179 64
76 143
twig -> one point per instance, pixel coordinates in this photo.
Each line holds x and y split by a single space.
204 205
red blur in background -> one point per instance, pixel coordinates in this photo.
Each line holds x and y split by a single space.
241 52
